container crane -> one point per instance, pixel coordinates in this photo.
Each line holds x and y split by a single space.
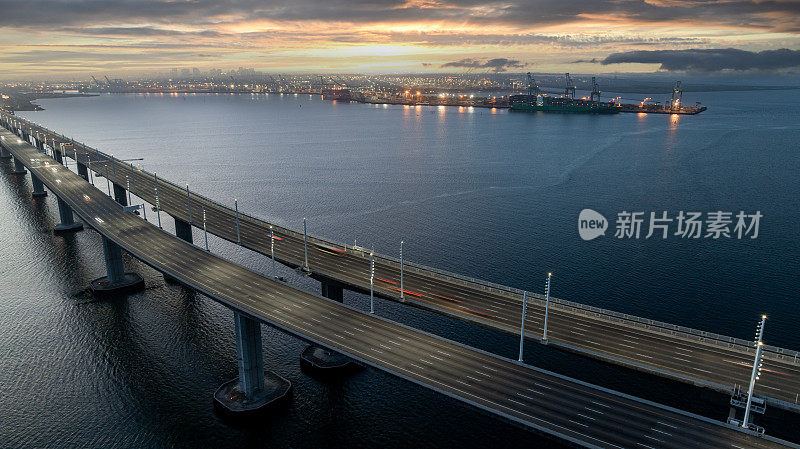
533 87
595 90
569 90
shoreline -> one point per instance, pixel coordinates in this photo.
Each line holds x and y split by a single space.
20 101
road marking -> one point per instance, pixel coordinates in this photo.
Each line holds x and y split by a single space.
595 411
579 423
665 424
587 417
661 431
601 404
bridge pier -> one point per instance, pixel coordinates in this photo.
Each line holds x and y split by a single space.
183 231
83 171
4 153
117 281
38 186
68 222
254 390
120 194
320 359
57 154
19 168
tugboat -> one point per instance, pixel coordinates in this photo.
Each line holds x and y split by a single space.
535 101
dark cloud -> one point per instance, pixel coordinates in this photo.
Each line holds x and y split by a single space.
710 60
763 14
584 61
495 65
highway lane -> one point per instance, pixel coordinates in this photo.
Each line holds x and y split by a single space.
571 410
601 337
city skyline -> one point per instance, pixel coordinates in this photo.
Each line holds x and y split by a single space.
74 39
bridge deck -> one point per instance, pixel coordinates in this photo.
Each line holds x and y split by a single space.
571 410
687 355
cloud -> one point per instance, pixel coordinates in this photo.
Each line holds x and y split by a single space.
762 14
584 61
710 60
496 65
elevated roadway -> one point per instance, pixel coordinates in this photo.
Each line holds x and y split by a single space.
689 355
572 411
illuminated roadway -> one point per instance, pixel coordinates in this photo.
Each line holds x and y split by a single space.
570 410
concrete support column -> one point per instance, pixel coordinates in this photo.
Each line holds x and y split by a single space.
249 354
120 194
114 265
116 280
67 220
333 290
4 154
19 168
320 359
57 154
183 230
254 390
83 171
38 186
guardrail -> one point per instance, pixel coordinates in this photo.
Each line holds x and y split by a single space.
772 352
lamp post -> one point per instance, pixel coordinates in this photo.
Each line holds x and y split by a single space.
238 236
522 325
133 179
371 282
546 306
756 369
402 290
205 231
108 182
158 204
272 250
127 188
189 202
305 245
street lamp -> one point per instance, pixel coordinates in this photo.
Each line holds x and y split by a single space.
522 325
546 306
371 282
305 245
402 290
756 369
272 250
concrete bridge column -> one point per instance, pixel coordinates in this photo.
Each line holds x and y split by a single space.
254 390
38 186
183 230
333 290
83 171
19 168
68 222
116 281
4 154
324 360
57 154
120 194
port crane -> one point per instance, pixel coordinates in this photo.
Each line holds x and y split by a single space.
595 90
677 96
569 90
533 86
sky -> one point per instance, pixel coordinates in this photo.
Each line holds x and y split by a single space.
75 38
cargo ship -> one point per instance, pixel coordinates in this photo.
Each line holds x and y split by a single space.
674 105
535 101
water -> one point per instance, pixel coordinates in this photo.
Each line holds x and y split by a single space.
485 193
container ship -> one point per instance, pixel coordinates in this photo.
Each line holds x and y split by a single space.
673 105
535 101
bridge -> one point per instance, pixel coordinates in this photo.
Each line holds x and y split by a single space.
570 410
689 355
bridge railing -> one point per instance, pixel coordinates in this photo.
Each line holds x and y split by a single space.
773 352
